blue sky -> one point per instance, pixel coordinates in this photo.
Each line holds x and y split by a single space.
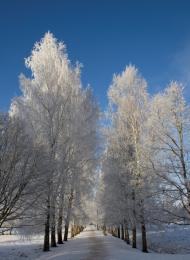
104 35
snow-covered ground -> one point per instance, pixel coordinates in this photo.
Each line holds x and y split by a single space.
88 245
16 247
173 239
120 251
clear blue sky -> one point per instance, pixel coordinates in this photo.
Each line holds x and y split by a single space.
104 35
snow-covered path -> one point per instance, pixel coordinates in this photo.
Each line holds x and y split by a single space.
97 245
93 245
89 245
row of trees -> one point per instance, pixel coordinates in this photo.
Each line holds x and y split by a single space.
48 146
48 152
145 167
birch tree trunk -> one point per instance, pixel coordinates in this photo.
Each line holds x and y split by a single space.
144 240
53 228
134 231
143 228
60 221
122 232
127 239
68 216
118 231
47 226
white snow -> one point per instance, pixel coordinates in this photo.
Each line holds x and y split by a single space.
88 245
173 239
120 251
16 247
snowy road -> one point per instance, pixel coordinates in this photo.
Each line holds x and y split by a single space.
89 245
93 245
97 246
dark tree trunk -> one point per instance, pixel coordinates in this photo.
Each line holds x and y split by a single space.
59 230
122 233
134 237
60 219
53 229
53 238
134 231
118 232
53 233
144 240
66 232
127 239
68 216
47 227
143 228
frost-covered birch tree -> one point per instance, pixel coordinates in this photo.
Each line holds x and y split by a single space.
61 117
169 125
145 165
128 100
